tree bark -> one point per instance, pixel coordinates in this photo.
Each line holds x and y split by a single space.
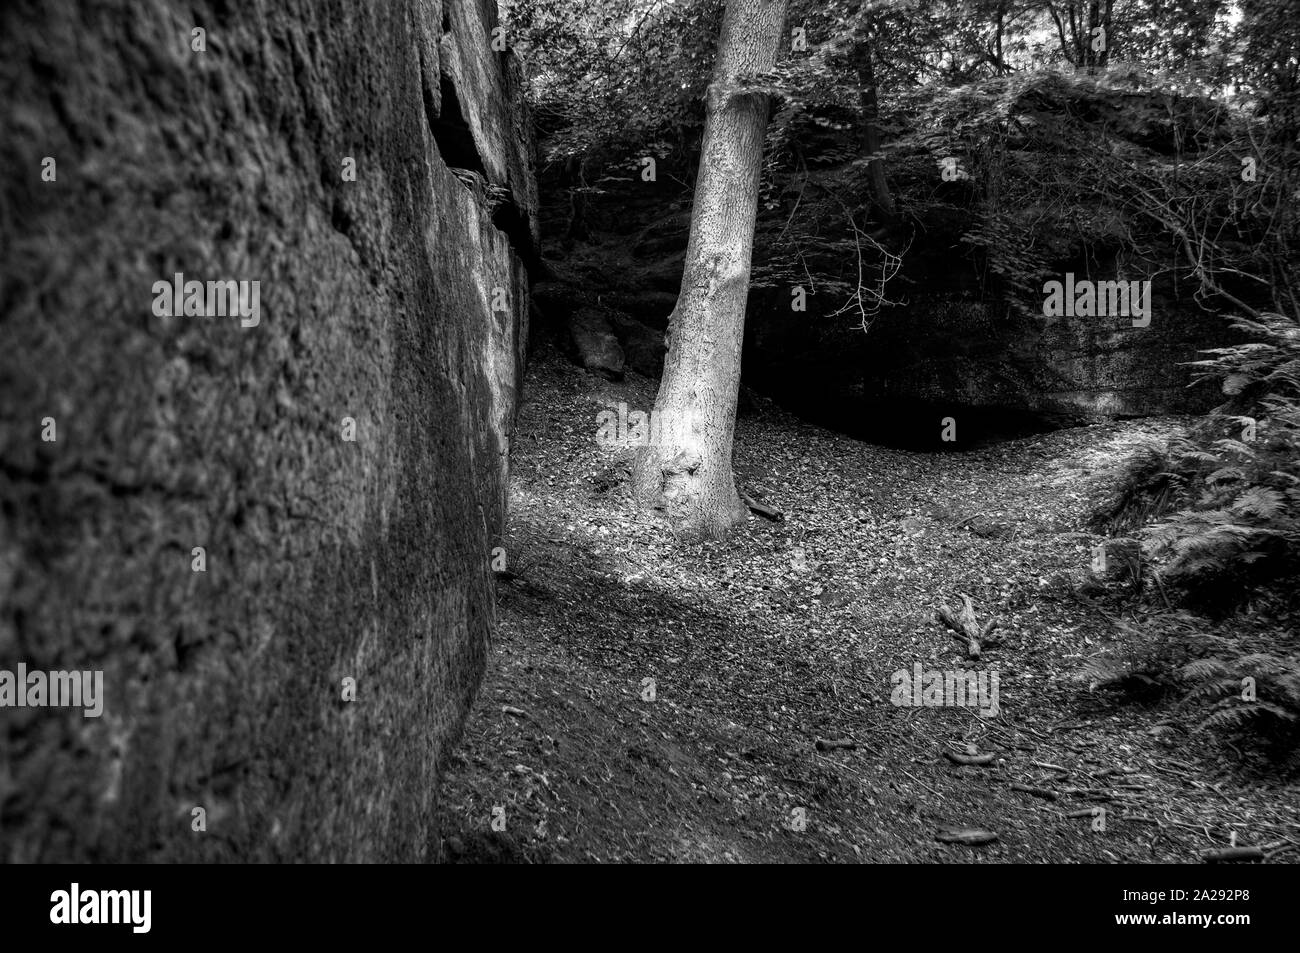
1093 57
866 70
1104 58
999 61
686 471
575 174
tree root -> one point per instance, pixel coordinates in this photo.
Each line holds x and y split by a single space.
762 509
1233 853
979 760
966 629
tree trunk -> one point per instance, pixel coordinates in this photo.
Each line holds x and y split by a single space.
1104 58
1071 47
1094 21
866 71
686 470
575 175
999 61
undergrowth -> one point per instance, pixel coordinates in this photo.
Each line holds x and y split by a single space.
1218 513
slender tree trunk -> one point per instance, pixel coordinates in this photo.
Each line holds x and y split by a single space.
686 471
576 176
1104 58
866 71
1075 47
1094 22
999 60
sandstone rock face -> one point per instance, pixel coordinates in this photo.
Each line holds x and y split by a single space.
964 339
966 332
392 308
948 347
946 352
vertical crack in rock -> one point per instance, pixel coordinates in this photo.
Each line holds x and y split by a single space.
456 144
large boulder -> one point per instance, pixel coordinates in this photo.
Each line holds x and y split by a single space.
595 343
643 347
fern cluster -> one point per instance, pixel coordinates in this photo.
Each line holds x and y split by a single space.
1238 476
1247 686
1219 508
1241 692
1218 511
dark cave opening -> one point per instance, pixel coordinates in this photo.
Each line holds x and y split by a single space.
921 426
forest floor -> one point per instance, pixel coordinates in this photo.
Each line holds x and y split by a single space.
790 632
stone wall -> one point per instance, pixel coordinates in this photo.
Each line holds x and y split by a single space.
325 558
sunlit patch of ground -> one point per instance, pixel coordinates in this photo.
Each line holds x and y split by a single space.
789 632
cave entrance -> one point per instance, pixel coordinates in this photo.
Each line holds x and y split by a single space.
920 426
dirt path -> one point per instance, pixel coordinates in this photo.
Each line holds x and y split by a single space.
757 650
